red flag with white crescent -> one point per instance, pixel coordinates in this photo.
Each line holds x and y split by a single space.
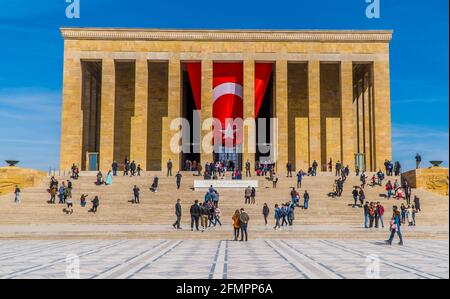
227 98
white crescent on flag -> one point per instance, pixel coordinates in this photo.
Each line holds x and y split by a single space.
227 88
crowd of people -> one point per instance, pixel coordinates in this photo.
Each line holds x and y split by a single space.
206 214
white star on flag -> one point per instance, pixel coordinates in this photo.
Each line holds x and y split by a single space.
229 132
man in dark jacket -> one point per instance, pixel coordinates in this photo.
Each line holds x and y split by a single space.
243 220
177 214
136 194
366 215
114 167
195 215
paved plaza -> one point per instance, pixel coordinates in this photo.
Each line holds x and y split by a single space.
211 259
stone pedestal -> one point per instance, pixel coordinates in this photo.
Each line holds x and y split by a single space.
22 177
434 179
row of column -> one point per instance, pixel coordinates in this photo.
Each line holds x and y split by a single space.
71 141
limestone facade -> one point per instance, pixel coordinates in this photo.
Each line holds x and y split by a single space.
331 92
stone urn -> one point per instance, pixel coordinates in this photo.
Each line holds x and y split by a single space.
436 163
11 162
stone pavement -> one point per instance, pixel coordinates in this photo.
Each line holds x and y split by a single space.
203 259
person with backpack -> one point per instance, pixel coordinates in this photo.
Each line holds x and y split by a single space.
283 215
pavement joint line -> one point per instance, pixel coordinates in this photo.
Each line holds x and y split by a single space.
39 267
386 262
318 265
38 248
109 273
293 264
132 272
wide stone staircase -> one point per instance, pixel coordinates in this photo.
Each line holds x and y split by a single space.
117 217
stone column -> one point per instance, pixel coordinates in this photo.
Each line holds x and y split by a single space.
281 113
314 113
72 116
206 111
367 133
138 144
249 137
173 112
347 115
382 113
106 154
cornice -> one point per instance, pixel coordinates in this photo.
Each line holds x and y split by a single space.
226 35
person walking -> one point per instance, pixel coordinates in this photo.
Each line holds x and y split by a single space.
338 168
195 212
243 220
95 203
355 196
314 168
204 215
417 203
265 212
289 169
236 224
17 194
277 215
176 224
395 226
136 194
274 181
178 177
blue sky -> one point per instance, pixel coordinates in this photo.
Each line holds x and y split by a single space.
32 56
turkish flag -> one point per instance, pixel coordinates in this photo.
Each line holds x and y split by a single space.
228 99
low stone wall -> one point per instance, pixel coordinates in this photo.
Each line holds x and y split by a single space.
434 179
22 177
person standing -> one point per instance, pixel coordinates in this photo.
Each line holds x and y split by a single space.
253 195
417 203
338 168
366 214
305 200
108 180
178 179
243 220
236 224
380 213
289 169
265 212
138 169
204 215
299 179
247 194
314 168
355 197
177 214
195 212
17 194
169 167
274 180
136 194
114 167
418 160
247 169
395 226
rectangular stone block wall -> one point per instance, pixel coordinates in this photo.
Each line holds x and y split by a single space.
330 113
157 109
297 113
123 110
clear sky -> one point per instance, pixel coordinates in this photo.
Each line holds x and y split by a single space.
31 54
